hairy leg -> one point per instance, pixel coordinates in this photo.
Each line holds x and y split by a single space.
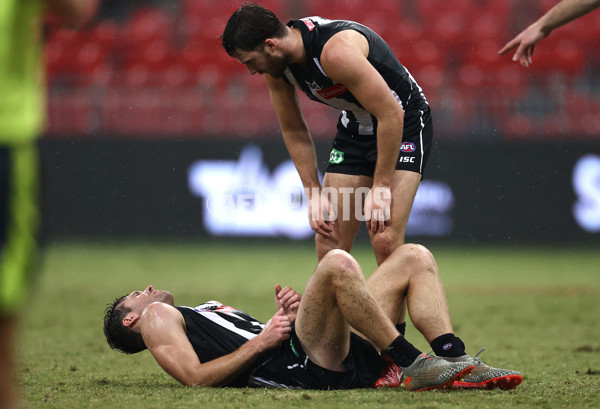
337 298
410 276
404 188
346 225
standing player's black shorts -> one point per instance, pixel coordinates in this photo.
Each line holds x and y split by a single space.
357 154
289 367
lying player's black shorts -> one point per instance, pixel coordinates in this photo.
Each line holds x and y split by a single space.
357 154
289 367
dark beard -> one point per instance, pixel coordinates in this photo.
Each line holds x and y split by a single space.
279 67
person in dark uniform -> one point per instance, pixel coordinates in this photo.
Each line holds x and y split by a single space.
384 131
328 338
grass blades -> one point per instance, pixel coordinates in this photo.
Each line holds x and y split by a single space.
536 310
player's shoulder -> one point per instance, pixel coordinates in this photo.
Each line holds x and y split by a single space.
160 311
343 47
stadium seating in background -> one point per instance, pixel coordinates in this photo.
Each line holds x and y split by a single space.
161 70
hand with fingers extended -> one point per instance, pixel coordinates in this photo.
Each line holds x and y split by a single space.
378 204
276 330
562 13
321 214
525 44
288 300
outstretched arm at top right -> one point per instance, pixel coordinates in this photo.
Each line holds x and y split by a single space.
163 330
560 14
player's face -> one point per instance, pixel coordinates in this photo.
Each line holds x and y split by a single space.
263 61
139 300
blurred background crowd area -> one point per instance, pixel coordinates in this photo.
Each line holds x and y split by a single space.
155 69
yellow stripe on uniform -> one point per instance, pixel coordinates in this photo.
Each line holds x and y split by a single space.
20 251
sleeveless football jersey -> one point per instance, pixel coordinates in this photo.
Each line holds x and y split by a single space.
215 330
313 81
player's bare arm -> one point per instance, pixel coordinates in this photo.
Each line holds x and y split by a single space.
299 143
344 59
163 330
562 13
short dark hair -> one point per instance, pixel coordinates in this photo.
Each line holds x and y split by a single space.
118 336
249 27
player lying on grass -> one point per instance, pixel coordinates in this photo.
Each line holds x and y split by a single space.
310 343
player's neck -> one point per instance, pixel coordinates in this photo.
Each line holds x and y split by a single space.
295 47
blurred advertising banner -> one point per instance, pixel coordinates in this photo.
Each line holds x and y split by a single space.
534 191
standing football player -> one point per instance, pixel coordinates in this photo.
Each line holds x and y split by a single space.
384 130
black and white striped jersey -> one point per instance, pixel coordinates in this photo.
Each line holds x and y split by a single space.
215 330
313 81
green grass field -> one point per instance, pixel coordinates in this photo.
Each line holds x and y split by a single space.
535 309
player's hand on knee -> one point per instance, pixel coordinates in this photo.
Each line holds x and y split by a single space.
378 205
321 214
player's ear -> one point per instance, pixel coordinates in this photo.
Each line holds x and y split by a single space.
130 319
270 44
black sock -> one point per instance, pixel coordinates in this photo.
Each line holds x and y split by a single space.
448 345
401 328
402 352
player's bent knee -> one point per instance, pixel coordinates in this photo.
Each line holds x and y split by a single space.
415 257
339 261
419 258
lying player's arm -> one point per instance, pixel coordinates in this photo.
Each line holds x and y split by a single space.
163 331
300 145
75 13
344 59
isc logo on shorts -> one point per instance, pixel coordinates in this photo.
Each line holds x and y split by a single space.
408 147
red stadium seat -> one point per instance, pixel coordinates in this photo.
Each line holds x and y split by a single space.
402 38
147 25
559 54
425 53
510 80
431 79
470 78
105 33
487 26
319 8
519 126
431 9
